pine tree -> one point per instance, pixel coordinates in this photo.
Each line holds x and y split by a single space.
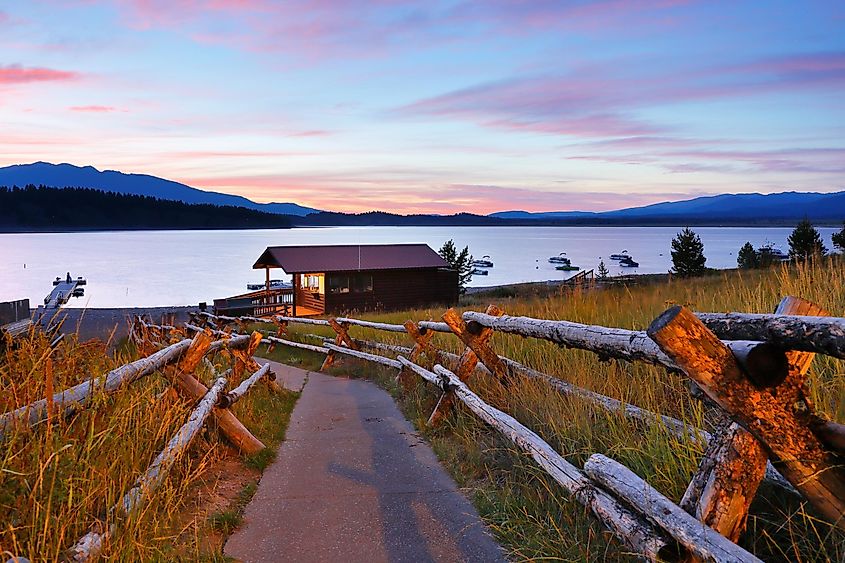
747 258
461 262
688 254
603 271
805 242
838 239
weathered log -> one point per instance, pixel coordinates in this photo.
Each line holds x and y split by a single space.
633 530
294 344
700 540
422 342
817 333
236 394
243 357
721 491
435 326
372 324
194 389
342 338
157 471
302 320
781 417
477 338
71 400
363 355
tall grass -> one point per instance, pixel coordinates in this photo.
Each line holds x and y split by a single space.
57 480
530 514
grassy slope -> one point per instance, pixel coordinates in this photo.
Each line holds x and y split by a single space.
55 482
529 513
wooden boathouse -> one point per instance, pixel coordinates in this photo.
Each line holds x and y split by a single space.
339 279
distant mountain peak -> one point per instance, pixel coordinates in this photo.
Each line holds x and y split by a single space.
70 175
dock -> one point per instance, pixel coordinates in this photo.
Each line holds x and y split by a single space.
63 290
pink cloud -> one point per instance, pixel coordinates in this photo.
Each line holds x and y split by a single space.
604 100
16 74
93 109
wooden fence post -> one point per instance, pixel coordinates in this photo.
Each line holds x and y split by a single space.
342 330
281 330
477 347
731 470
194 389
422 342
778 413
244 359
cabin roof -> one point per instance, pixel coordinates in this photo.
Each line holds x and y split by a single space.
349 257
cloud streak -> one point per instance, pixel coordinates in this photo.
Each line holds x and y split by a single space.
17 74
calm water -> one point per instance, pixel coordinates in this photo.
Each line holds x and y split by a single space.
167 268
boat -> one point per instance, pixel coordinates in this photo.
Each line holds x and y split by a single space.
622 256
485 262
567 268
628 262
560 259
773 252
479 272
274 284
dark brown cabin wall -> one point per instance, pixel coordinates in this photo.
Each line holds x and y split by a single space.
397 289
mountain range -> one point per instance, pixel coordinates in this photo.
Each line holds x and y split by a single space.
727 209
70 176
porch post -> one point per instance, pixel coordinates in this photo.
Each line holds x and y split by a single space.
295 291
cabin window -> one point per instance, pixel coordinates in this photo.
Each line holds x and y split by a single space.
362 283
312 283
359 283
339 284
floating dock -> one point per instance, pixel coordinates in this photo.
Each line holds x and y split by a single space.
63 290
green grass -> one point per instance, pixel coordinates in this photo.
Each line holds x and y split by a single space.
529 513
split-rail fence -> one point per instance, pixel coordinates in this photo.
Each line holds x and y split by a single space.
751 369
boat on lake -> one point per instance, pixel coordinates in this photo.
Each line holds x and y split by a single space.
485 262
560 259
624 255
567 268
773 252
628 262
479 272
274 284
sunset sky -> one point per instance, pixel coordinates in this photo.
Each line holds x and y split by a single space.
433 106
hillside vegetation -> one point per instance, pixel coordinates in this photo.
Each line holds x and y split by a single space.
70 209
529 513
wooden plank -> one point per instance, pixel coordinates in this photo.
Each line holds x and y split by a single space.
700 540
780 416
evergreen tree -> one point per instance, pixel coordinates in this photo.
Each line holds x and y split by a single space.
688 254
839 239
461 262
603 271
805 242
747 258
766 256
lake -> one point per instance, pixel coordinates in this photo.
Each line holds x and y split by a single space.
168 268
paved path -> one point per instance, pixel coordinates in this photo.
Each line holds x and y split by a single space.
354 482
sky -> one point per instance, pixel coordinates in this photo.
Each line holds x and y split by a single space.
433 107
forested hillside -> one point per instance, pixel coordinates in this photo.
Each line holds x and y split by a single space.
53 209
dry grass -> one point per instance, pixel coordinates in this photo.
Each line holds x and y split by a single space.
528 511
57 480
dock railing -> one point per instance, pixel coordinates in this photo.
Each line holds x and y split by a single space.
751 367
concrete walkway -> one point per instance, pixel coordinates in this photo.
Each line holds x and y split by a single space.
354 482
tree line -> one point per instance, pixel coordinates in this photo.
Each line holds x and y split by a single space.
43 208
805 242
